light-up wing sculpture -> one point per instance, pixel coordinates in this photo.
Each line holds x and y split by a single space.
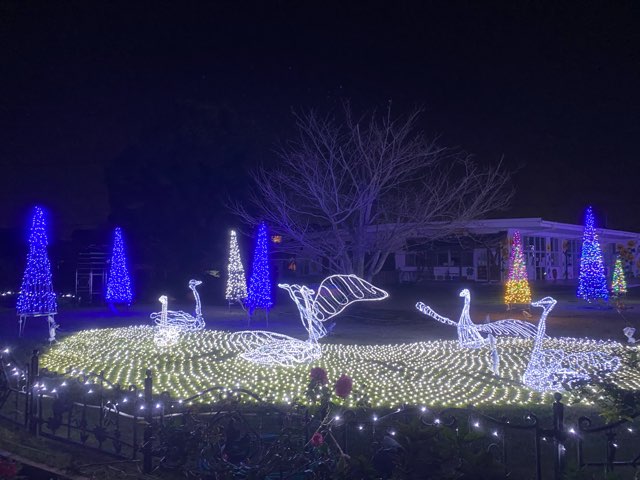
335 293
509 328
427 310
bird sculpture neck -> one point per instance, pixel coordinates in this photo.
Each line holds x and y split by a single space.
196 296
542 327
465 318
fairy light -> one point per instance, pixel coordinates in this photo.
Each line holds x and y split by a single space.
236 281
434 373
550 369
36 293
517 287
469 334
259 294
592 284
618 282
171 324
335 293
119 282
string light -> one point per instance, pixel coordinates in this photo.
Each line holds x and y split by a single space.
551 369
334 294
36 293
618 282
517 287
259 294
119 282
236 282
433 373
171 324
469 334
592 284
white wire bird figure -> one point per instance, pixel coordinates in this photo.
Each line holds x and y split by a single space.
172 323
551 369
334 294
469 334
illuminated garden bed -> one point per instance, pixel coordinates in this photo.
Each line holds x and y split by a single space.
434 373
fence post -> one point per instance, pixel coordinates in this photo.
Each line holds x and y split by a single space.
148 429
558 436
34 372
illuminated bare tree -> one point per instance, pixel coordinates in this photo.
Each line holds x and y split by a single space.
351 192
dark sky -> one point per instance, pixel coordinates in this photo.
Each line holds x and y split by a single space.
553 87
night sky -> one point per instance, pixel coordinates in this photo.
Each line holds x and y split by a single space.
553 87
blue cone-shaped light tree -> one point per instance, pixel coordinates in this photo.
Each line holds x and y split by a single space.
119 283
36 293
259 294
592 284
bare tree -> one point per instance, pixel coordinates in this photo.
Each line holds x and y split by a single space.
353 192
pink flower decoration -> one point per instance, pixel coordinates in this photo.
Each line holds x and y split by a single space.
344 385
317 439
319 375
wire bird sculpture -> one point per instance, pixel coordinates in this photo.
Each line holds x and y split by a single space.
469 334
173 323
550 369
334 294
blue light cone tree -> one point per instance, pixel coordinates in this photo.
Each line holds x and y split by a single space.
592 284
119 282
36 293
259 294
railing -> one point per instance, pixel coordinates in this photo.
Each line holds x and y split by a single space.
213 431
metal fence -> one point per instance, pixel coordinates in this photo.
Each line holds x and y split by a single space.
160 432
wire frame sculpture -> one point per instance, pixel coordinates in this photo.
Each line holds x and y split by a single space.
552 369
470 334
171 324
334 294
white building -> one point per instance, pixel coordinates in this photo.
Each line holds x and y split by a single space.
480 252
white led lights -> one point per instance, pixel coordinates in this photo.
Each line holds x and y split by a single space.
549 369
335 293
434 373
469 334
171 323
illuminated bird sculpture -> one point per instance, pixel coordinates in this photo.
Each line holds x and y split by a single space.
470 334
551 369
334 294
172 323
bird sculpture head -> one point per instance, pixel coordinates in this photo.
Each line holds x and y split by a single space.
163 299
194 283
547 303
465 293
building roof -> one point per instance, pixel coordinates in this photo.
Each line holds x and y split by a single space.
538 226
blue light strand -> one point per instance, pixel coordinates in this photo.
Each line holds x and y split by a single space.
36 293
119 282
592 284
259 294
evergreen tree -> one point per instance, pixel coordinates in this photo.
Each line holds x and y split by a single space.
517 288
236 280
618 282
36 293
592 282
119 282
259 295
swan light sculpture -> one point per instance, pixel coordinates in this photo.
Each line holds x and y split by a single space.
470 334
334 294
173 323
550 369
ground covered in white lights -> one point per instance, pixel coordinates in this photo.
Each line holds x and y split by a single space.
434 373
